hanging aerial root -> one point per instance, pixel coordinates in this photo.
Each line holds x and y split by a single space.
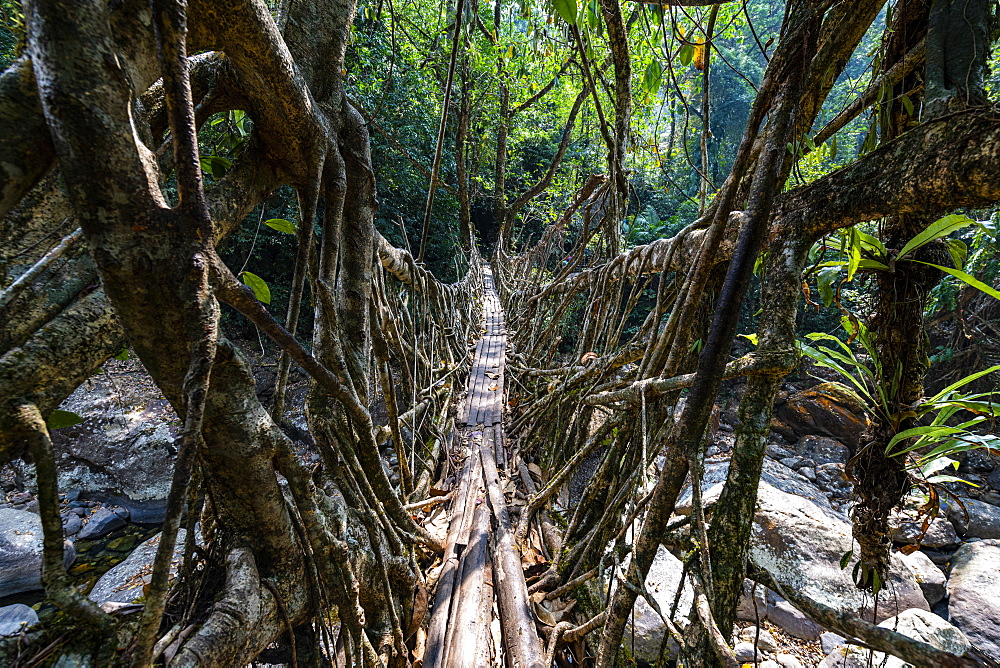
58 587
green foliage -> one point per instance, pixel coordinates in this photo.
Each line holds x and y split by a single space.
59 419
258 285
11 31
935 439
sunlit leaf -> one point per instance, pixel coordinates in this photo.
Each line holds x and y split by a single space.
567 10
281 225
259 287
939 228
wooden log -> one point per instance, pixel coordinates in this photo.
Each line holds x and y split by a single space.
438 627
524 647
463 646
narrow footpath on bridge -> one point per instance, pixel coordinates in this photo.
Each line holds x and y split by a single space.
481 615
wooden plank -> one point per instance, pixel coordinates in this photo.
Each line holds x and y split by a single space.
524 647
438 627
463 647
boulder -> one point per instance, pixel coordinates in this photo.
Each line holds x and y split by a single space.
930 578
123 451
785 616
774 474
827 410
746 610
909 530
917 624
974 594
15 618
979 519
101 523
662 582
800 543
21 551
124 583
822 450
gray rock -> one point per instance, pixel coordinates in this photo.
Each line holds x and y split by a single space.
908 529
917 624
769 663
101 523
830 641
790 462
662 581
745 609
930 578
21 551
822 450
775 475
787 661
993 479
974 594
762 637
15 618
123 451
782 614
800 543
809 473
830 477
777 452
71 524
745 653
124 582
980 520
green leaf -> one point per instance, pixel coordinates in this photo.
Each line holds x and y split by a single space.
939 228
215 165
846 559
923 432
651 78
967 278
962 382
854 253
824 282
959 251
122 354
281 225
871 243
687 54
833 147
59 419
907 105
259 287
567 10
